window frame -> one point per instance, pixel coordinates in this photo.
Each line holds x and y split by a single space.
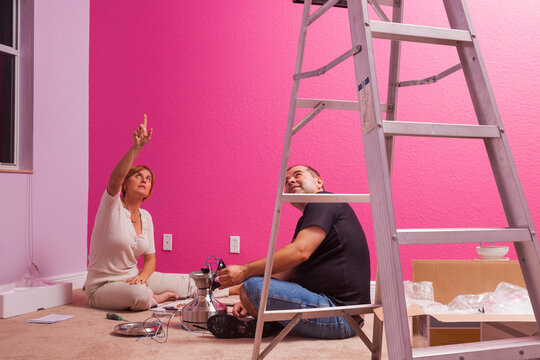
13 51
22 50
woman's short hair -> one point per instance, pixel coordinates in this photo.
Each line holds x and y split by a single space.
135 169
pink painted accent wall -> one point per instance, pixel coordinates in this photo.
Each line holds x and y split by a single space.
215 80
56 202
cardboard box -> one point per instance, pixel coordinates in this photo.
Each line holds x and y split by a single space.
451 278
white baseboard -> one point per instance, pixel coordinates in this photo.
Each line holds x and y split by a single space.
76 279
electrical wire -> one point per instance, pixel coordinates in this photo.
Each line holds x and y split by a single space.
215 262
163 327
210 260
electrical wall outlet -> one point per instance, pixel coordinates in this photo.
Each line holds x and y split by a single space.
234 242
167 242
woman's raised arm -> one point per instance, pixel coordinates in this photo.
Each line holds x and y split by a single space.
140 137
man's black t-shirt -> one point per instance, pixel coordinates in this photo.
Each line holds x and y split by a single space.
339 267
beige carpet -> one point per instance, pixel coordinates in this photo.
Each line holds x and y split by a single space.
89 335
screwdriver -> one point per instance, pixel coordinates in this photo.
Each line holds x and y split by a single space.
113 316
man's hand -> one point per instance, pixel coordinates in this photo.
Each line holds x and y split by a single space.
232 275
239 310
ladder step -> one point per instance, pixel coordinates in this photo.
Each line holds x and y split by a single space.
280 315
465 235
418 33
517 348
407 128
325 198
332 104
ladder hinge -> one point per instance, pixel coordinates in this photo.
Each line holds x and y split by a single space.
390 108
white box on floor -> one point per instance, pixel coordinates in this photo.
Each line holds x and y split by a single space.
23 300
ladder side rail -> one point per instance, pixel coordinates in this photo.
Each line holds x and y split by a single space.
391 115
378 326
395 312
487 113
393 81
502 163
281 185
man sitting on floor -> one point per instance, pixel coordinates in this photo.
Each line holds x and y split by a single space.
325 265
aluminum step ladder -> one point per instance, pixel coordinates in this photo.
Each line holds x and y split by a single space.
378 138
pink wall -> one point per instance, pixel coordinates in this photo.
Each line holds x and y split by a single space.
59 186
215 80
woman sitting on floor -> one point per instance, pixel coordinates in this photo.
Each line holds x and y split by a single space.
122 232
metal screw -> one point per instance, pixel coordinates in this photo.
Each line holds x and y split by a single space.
521 352
366 23
394 237
502 130
462 358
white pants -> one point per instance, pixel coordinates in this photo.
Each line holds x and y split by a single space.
120 295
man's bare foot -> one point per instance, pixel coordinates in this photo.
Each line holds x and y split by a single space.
166 296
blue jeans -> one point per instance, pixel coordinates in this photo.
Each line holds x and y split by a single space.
283 295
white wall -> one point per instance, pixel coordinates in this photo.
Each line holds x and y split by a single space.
59 186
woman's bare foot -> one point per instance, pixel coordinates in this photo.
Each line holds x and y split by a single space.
166 296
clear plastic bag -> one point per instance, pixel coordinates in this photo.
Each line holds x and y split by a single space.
506 299
470 304
29 280
421 294
509 299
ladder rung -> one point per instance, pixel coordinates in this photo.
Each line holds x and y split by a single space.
417 33
311 313
325 198
332 104
517 348
465 235
407 128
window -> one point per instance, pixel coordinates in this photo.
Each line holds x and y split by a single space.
16 69
8 85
